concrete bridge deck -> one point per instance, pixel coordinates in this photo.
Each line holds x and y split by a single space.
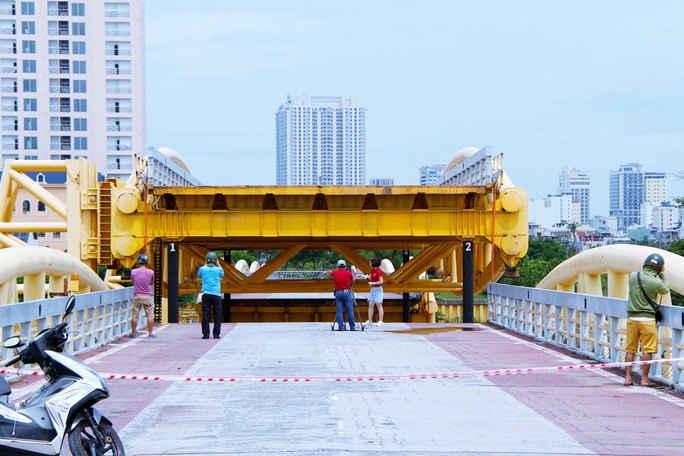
557 412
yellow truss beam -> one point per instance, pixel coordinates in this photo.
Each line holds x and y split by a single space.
110 222
432 220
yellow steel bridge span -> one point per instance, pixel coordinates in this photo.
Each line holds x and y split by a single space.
109 223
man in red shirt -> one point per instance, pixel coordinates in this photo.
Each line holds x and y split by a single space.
344 279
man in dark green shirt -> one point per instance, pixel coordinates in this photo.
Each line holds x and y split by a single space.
644 288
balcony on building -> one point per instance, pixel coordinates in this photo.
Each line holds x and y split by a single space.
8 65
8 27
10 123
8 8
10 104
8 46
8 85
118 48
117 10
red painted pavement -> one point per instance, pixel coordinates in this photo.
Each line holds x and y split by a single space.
597 410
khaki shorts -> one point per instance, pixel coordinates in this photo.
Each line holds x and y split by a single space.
645 332
144 301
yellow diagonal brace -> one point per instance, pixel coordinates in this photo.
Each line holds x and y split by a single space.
353 256
232 274
40 193
422 262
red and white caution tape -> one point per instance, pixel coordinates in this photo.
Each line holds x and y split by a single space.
360 378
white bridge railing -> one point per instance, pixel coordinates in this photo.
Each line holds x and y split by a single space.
98 319
592 326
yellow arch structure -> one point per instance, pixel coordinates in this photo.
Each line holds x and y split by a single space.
34 264
617 262
77 217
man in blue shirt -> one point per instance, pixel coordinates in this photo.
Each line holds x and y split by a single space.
211 274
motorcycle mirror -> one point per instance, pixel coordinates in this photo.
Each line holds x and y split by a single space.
69 307
13 342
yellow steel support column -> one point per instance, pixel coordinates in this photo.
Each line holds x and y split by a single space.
82 203
34 287
56 283
591 284
617 284
453 267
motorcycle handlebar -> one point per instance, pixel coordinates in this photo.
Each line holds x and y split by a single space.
13 360
57 337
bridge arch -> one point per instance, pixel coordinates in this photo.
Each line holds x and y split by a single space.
582 273
34 264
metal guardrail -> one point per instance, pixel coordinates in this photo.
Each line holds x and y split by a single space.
98 319
593 326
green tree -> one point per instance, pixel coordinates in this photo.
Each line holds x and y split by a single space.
573 230
546 249
237 255
677 247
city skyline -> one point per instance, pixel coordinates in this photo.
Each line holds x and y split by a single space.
547 84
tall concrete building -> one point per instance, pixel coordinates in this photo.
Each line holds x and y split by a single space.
576 183
321 141
626 194
431 174
381 181
655 187
72 82
553 211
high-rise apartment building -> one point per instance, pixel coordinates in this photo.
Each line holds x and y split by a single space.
381 181
655 187
431 174
321 141
72 82
576 183
626 194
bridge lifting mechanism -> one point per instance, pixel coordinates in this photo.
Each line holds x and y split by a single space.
110 222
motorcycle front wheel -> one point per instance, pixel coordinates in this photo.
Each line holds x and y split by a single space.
84 438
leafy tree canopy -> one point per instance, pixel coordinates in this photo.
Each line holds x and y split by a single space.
546 249
677 247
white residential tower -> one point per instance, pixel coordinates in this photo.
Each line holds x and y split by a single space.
576 183
321 141
72 82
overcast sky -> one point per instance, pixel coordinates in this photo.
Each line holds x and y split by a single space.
590 84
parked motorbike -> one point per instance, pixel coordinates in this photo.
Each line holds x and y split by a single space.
62 406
